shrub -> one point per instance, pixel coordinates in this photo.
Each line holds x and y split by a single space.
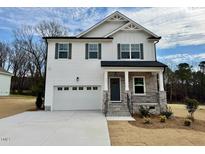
144 111
168 112
39 101
187 122
191 106
146 120
163 118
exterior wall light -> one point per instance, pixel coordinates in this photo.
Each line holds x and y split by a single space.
77 79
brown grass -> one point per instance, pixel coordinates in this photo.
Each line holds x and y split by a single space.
173 132
11 105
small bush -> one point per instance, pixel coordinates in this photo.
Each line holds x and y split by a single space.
191 106
168 112
39 101
146 120
187 122
144 111
163 118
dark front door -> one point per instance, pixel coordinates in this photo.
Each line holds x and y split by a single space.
115 89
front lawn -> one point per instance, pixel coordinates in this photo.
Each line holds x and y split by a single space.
173 132
11 105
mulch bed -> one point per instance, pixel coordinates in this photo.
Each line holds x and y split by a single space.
173 122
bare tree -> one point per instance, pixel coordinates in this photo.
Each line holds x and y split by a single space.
5 53
50 28
25 38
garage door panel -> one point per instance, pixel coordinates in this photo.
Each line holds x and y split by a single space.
77 99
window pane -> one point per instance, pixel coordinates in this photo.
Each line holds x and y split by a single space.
74 88
135 47
88 88
95 88
139 81
63 46
80 88
135 55
60 88
125 47
139 89
125 55
66 88
93 55
93 47
63 54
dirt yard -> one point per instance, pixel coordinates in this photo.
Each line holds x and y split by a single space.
11 105
158 134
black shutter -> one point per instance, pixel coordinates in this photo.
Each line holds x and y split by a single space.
142 50
86 51
118 50
56 51
99 51
70 51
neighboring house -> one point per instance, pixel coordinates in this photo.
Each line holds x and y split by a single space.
112 66
5 82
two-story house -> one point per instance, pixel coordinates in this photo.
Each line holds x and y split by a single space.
112 67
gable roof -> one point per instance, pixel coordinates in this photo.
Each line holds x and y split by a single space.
124 18
3 71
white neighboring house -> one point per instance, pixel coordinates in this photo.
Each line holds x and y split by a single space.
5 82
112 67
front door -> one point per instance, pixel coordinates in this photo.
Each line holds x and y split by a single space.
115 89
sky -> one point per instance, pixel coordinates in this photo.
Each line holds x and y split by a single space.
182 29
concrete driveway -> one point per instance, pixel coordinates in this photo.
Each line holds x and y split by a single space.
55 128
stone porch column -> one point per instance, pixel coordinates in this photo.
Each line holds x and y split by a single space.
161 81
106 81
126 81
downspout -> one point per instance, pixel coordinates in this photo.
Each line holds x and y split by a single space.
155 49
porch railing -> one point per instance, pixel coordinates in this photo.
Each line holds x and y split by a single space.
130 104
106 99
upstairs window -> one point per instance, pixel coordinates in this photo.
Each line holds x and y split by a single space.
135 51
130 51
125 51
93 51
63 51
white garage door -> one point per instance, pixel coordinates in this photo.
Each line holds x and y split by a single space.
77 98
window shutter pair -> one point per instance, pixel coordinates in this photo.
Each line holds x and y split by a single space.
69 52
141 50
99 51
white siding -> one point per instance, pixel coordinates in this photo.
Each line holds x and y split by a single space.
104 29
65 71
5 81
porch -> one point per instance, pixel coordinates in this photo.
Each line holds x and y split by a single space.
128 88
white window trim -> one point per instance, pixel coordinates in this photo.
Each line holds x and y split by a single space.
112 77
130 51
97 51
63 50
138 94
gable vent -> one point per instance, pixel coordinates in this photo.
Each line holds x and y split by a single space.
131 27
117 18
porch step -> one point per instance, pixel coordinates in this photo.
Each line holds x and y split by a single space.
118 109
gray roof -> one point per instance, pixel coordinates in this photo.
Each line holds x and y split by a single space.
132 64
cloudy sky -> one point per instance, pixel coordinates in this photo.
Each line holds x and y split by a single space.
182 29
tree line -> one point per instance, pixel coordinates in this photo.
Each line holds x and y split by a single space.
25 56
185 82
